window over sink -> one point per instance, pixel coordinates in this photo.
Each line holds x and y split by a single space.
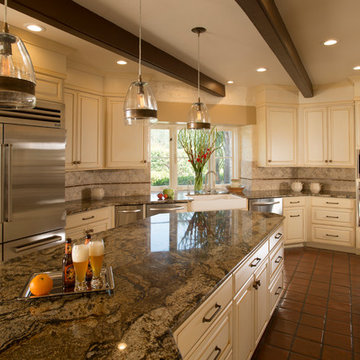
170 166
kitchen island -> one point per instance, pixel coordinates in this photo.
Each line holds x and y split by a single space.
164 267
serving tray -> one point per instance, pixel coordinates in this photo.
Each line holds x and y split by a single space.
57 290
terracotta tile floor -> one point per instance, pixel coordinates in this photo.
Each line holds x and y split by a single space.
319 314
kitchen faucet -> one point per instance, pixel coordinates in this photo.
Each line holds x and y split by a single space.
206 176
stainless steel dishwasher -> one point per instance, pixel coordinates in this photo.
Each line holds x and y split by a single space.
126 214
153 209
271 205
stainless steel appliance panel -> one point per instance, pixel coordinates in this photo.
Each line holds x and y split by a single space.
34 184
153 209
33 243
126 214
271 205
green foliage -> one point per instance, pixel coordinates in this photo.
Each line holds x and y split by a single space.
199 145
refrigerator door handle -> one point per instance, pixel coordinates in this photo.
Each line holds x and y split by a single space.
2 182
8 217
39 243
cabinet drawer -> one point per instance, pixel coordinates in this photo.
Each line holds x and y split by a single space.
293 202
88 217
218 342
276 237
333 202
333 216
276 289
333 235
93 228
201 320
242 274
276 259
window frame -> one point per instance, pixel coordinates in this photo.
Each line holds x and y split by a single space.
173 129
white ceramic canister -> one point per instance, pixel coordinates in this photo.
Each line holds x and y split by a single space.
97 193
297 186
315 188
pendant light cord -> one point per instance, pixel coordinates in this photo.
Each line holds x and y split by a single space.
198 66
140 79
6 29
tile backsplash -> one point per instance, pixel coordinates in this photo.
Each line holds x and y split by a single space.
78 184
261 178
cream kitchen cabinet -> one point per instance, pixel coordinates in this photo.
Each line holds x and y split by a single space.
295 220
92 221
49 87
329 135
84 126
229 324
126 146
277 135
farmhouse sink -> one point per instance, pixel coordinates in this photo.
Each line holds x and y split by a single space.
216 202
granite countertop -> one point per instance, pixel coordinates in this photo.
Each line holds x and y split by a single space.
288 193
76 206
164 268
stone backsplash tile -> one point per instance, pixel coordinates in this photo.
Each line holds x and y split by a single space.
78 184
260 178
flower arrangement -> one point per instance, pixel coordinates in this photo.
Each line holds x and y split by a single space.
199 145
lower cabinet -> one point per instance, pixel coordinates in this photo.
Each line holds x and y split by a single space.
295 220
93 221
230 323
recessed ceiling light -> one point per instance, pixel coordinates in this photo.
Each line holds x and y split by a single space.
230 81
356 67
35 28
121 62
330 42
261 69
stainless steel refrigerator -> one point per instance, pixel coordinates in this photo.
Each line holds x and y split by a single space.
32 181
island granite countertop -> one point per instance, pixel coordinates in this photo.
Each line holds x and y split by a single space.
164 267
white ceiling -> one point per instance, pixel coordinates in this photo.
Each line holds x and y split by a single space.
231 48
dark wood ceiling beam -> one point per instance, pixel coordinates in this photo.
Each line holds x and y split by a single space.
71 17
266 17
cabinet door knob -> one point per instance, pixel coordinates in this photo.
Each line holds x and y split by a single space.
330 160
326 161
256 284
269 160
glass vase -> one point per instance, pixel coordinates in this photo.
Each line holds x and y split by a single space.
198 182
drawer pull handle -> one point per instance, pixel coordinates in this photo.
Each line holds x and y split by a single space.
88 218
330 235
218 352
332 203
332 217
255 262
278 236
278 259
256 284
278 291
89 231
295 215
217 307
294 202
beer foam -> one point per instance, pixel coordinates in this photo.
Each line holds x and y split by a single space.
80 253
96 248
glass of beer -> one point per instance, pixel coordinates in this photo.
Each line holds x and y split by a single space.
96 252
80 257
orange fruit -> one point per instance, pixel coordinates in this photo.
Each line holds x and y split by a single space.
41 285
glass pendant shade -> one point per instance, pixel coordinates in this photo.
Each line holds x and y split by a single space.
17 76
198 116
140 103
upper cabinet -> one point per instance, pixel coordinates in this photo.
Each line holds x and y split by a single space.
329 136
49 87
277 135
84 125
126 146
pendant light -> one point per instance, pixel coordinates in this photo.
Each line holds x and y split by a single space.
140 103
17 76
198 115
